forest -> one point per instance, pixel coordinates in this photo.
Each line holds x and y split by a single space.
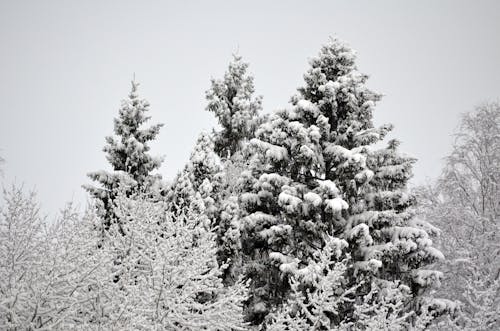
300 218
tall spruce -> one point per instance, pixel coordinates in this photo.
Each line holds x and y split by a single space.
132 166
235 106
237 110
315 172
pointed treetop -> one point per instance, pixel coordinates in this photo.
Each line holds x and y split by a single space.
127 152
237 110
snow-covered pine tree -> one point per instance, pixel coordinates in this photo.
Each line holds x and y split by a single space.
317 289
238 112
182 197
131 164
199 179
235 106
204 163
315 171
318 292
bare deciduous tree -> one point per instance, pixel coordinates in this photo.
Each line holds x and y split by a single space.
465 204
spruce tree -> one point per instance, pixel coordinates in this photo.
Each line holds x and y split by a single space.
132 166
204 163
314 172
235 106
200 176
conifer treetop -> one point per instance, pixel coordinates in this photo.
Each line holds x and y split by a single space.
314 171
127 152
231 100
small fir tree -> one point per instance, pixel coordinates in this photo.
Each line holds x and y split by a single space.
199 179
132 166
204 163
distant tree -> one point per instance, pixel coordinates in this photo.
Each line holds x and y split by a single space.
315 171
131 164
204 163
182 197
465 205
204 169
237 110
198 182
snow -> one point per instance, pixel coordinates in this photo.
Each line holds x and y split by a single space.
258 220
331 87
335 205
289 202
313 198
435 253
274 179
328 187
364 176
427 278
307 152
307 106
276 231
424 225
361 233
249 199
372 265
272 152
314 133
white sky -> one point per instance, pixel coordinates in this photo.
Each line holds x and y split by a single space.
65 66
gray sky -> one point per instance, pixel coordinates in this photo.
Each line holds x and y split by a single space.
67 64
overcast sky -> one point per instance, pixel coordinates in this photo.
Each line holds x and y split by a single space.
65 66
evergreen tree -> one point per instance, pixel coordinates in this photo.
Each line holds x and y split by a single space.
318 292
204 163
128 155
315 171
199 179
182 196
236 109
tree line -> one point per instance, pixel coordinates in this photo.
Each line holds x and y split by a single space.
300 219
